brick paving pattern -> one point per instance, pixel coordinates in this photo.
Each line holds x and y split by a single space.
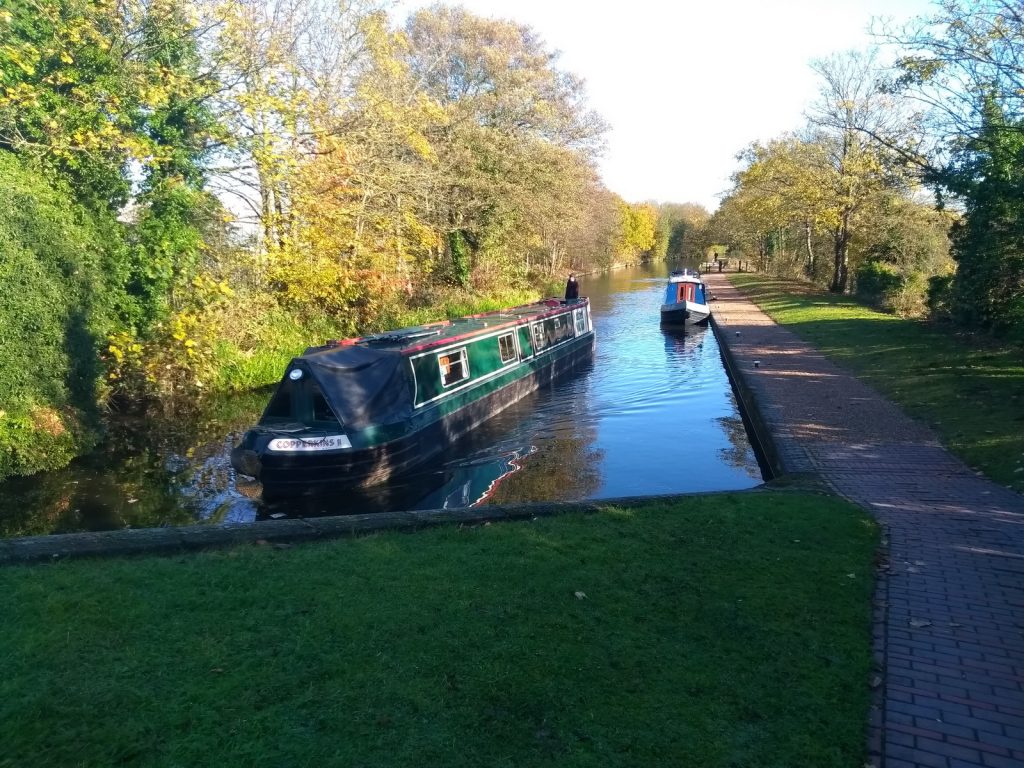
949 614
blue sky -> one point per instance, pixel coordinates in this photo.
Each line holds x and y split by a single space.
686 85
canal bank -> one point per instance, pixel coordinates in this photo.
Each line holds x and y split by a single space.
949 600
282 533
653 415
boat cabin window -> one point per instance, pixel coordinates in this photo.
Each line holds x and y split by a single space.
558 329
507 348
539 340
454 366
581 321
322 410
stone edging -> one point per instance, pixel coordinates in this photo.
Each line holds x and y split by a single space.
135 541
767 453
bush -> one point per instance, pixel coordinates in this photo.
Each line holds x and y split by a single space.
878 282
54 309
940 296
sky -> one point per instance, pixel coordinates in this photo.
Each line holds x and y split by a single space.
687 85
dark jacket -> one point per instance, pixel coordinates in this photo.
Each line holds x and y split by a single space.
572 289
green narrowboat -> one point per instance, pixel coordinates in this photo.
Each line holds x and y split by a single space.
357 411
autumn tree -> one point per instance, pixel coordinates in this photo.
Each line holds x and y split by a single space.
515 143
677 230
852 106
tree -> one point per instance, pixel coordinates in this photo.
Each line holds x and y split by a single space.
58 302
968 52
511 118
966 70
679 224
852 107
636 231
989 240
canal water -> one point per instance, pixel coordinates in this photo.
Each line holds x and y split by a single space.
653 414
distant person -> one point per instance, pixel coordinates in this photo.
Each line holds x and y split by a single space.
572 288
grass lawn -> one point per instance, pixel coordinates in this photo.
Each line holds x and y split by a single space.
970 390
723 630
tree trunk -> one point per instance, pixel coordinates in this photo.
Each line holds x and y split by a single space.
266 212
841 254
810 248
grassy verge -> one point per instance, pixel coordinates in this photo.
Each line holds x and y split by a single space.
969 389
718 631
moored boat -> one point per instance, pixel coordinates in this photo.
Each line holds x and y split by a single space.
685 299
357 411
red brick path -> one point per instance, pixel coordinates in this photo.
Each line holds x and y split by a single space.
949 616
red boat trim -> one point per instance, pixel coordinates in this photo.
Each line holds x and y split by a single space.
560 309
556 308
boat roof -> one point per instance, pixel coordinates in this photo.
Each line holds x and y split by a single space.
684 277
420 337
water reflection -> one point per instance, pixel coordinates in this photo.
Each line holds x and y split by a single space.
654 413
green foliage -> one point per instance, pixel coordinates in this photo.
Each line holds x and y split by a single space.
964 62
988 244
681 225
459 250
57 303
572 641
168 248
940 297
635 237
877 283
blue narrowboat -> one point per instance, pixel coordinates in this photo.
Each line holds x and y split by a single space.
686 300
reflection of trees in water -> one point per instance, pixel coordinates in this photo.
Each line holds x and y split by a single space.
138 477
739 454
564 469
135 494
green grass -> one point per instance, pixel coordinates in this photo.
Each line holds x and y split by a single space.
969 389
726 630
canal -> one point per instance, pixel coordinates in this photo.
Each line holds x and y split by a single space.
653 414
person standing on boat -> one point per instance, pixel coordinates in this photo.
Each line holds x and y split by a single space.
572 288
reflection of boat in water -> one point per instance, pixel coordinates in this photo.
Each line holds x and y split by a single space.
447 486
360 411
684 342
685 299
471 485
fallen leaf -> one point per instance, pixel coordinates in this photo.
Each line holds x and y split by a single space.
580 595
278 515
876 681
919 623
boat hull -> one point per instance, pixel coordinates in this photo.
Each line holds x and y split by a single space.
290 474
685 313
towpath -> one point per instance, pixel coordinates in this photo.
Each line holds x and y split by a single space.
949 614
